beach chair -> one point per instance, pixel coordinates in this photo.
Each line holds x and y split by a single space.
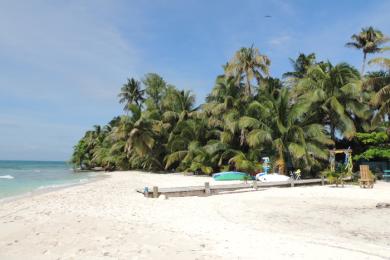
366 180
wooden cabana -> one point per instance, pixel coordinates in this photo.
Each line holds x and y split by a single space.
347 159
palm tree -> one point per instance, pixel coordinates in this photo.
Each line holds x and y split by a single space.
194 158
297 138
137 137
242 163
131 93
178 104
184 134
369 40
81 156
155 88
248 63
382 97
335 93
292 124
301 65
140 138
226 104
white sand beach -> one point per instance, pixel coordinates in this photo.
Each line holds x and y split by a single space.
108 219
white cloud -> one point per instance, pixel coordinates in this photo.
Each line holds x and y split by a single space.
279 40
65 41
60 62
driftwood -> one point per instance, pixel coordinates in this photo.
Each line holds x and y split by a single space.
382 205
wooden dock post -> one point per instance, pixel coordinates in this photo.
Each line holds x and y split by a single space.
207 189
292 182
322 181
146 192
255 184
155 192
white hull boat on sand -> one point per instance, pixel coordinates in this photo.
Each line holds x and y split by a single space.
271 177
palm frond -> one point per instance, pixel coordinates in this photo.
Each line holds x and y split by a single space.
257 137
174 157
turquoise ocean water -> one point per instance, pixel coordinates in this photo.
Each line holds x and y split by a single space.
20 177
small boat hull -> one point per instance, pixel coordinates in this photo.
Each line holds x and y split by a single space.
271 177
230 176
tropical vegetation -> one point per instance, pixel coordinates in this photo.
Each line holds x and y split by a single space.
247 115
377 143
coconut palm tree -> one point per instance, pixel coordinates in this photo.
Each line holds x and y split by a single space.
182 137
179 105
382 97
140 138
242 163
131 93
335 92
226 104
136 136
301 65
240 122
155 89
81 155
250 64
297 138
369 40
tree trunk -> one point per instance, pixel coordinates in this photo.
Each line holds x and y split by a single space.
248 87
242 137
333 133
364 64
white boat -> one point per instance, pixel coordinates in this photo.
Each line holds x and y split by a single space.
271 177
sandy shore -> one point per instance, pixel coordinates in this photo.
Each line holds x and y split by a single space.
108 219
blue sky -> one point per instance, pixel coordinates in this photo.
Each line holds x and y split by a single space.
62 63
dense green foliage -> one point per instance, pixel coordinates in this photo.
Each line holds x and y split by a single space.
375 138
247 115
378 146
382 98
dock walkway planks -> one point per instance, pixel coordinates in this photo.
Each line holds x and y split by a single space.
155 192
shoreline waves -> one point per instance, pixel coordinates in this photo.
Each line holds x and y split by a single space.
25 177
50 188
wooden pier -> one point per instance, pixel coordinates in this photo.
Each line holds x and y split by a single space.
206 189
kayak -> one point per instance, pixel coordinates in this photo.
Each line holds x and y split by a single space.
230 176
271 177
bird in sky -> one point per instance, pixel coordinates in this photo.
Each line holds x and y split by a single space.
267 16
